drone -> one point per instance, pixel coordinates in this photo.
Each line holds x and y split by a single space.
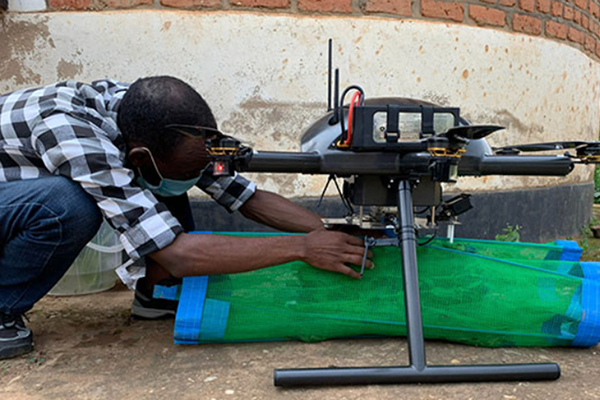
393 155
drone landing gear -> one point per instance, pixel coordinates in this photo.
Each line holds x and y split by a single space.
417 371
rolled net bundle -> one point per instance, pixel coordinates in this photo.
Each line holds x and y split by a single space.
466 296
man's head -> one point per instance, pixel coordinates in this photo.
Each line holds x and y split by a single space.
148 107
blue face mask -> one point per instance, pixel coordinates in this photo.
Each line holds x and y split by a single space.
166 187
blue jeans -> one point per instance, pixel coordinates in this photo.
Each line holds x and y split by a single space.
44 225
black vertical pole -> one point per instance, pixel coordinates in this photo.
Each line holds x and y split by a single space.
410 275
417 371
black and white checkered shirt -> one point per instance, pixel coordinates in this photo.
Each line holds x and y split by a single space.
70 129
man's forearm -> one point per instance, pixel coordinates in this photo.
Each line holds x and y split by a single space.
278 212
192 255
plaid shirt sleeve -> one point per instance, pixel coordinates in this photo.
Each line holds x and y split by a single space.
231 192
80 150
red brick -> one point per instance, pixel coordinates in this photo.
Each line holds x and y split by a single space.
70 4
508 3
341 6
543 6
590 43
440 9
261 3
126 3
568 13
527 24
527 5
554 29
598 48
398 7
487 16
595 28
581 4
557 9
190 3
577 17
594 9
585 22
575 35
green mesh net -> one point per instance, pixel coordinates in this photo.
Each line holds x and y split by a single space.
506 250
469 294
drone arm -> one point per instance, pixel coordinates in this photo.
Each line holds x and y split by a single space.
515 165
341 164
285 162
377 163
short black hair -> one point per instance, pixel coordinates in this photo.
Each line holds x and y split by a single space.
152 103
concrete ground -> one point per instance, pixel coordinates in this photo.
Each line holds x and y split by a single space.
87 347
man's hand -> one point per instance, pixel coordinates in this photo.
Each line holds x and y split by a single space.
331 250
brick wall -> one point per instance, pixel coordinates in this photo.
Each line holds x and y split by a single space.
576 22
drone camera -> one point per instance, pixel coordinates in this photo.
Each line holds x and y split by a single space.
455 206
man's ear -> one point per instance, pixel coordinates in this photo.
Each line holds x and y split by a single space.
139 157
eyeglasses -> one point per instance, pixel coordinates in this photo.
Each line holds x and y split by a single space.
196 131
212 136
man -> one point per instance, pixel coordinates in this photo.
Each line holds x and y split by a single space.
72 153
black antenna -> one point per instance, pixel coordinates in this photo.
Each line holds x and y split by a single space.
330 66
336 94
336 90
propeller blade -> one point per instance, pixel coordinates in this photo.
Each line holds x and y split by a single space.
472 131
544 146
589 148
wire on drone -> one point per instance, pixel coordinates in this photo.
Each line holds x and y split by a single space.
356 98
344 141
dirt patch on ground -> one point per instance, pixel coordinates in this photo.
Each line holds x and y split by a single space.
87 347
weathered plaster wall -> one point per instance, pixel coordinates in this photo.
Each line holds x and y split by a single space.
265 75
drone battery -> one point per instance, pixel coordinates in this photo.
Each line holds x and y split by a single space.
399 128
370 191
380 191
427 193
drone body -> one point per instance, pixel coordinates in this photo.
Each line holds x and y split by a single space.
397 152
372 163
